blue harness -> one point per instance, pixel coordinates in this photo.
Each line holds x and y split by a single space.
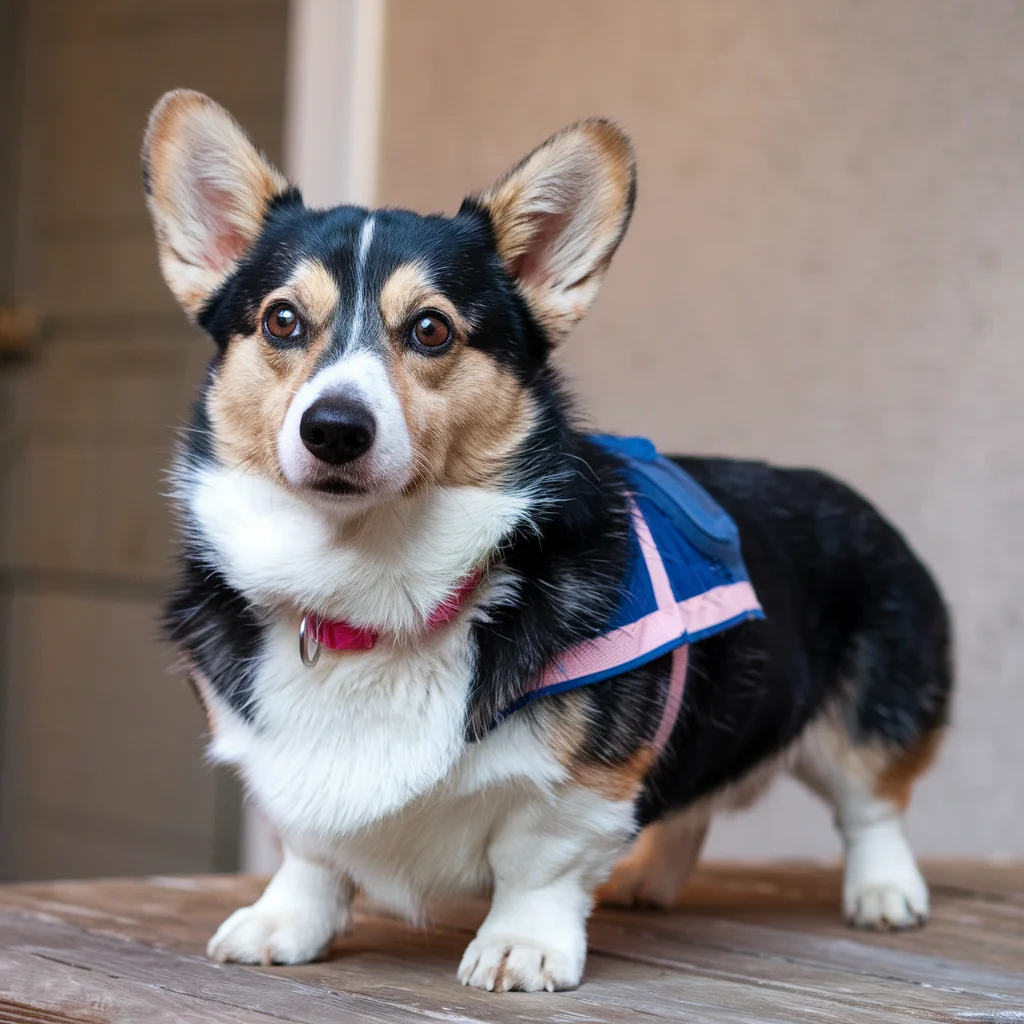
685 580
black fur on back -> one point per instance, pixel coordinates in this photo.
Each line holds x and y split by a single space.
852 616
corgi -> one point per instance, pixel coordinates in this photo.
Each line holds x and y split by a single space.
452 642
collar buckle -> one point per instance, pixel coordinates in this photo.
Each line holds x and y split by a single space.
308 633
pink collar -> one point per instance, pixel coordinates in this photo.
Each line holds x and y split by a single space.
337 635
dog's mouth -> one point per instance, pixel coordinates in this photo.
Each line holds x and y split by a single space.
340 488
354 484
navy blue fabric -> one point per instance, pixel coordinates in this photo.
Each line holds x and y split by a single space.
698 542
699 546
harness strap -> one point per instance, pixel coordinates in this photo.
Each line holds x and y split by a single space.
674 698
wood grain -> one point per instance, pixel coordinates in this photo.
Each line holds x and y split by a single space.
751 945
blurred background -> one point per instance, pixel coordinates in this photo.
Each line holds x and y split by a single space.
825 268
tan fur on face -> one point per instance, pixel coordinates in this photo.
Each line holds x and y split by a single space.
465 413
410 289
315 292
256 381
465 417
208 189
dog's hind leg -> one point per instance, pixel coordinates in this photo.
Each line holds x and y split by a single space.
868 787
885 640
657 865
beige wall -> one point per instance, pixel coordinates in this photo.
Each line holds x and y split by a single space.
826 267
103 769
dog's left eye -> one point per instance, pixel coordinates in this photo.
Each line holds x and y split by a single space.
430 330
282 322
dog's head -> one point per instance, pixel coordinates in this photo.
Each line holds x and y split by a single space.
365 354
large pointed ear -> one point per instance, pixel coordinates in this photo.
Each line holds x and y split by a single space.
208 189
559 216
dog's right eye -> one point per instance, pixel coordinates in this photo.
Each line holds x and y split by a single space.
282 323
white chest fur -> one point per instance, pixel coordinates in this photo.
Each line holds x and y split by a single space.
363 756
362 759
335 747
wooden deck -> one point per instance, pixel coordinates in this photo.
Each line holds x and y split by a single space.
748 945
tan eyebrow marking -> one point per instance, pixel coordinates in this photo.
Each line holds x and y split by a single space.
409 288
316 290
399 295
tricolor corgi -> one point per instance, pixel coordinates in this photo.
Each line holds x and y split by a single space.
451 641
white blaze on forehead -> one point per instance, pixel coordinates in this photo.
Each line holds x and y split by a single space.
361 376
365 237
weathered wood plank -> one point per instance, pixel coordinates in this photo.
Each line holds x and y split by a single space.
846 970
292 994
37 990
850 953
387 961
384 959
806 978
175 913
757 946
977 913
323 993
383 954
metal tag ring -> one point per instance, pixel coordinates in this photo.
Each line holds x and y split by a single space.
309 660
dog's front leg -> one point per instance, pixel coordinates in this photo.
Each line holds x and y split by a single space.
547 859
294 920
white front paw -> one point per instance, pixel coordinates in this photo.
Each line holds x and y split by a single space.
884 892
270 935
505 963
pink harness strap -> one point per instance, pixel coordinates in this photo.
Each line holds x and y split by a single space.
666 603
674 699
670 619
619 646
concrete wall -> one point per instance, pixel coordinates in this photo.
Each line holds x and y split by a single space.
825 268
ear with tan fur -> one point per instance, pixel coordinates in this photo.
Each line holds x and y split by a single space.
207 188
559 216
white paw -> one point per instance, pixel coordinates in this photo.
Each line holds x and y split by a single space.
882 907
270 935
882 887
885 893
500 963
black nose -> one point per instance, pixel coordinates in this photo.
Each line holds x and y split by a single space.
337 429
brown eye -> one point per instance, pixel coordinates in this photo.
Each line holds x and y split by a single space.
431 330
282 322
